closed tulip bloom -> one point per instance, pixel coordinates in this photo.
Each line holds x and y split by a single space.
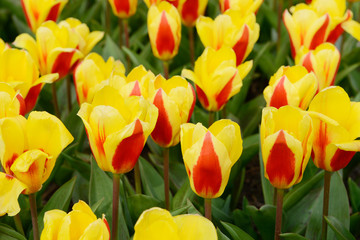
246 6
209 155
90 72
191 10
232 29
216 77
9 194
164 27
123 8
39 11
29 148
293 86
12 102
336 128
286 136
157 223
175 99
156 2
324 61
54 50
81 223
117 128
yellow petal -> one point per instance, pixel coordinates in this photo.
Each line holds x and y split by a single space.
353 28
9 193
52 223
195 227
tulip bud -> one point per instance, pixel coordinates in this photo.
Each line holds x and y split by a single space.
123 8
293 86
164 27
80 223
336 128
9 194
286 136
12 102
39 11
191 10
216 77
246 6
175 99
209 155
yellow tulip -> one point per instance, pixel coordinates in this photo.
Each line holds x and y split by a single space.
191 10
231 29
9 194
81 223
216 77
39 11
29 148
12 102
336 128
175 99
286 136
209 155
123 8
3 45
164 27
247 6
117 128
293 86
323 61
157 223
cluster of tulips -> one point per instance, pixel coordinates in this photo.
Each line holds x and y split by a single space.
121 107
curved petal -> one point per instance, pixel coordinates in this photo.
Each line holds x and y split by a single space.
9 193
195 227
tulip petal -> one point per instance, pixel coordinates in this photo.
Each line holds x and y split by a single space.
195 226
52 223
9 193
353 28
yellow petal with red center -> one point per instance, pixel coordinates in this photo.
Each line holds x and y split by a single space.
353 28
123 8
9 193
61 60
195 227
144 85
52 223
190 10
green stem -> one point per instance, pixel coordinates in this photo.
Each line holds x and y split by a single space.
33 209
166 69
68 91
18 224
115 210
208 208
120 33
191 45
211 118
127 41
137 178
55 101
166 178
279 205
327 178
279 13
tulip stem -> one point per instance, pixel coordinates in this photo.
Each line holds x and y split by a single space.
127 42
166 178
208 208
211 118
191 45
115 210
68 90
33 209
137 178
275 196
327 178
279 206
120 33
280 8
166 69
18 224
107 17
55 101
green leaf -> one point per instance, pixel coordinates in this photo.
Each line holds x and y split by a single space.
345 72
264 219
292 236
181 196
139 203
112 49
354 192
79 165
236 232
221 236
137 60
354 224
153 183
340 231
7 233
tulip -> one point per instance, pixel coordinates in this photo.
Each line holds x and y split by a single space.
3 45
247 6
9 194
39 11
232 29
12 102
293 86
323 61
117 128
123 8
91 72
30 147
80 223
191 10
149 3
164 27
216 77
353 28
157 223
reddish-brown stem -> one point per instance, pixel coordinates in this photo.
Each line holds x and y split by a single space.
208 208
191 45
279 205
327 178
166 69
166 178
120 33
127 42
115 209
33 210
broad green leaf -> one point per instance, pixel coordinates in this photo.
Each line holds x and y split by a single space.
139 203
340 231
182 195
354 192
242 219
354 224
236 232
292 236
221 209
112 49
7 233
221 236
264 220
79 165
345 72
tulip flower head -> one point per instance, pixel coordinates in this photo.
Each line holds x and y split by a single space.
117 128
164 27
246 6
293 86
80 223
9 194
123 8
39 11
336 128
29 147
286 136
216 77
191 10
149 3
209 155
157 223
12 102
175 99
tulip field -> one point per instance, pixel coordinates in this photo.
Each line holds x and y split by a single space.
179 119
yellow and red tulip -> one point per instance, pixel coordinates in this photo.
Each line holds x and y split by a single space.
216 77
39 11
336 128
232 29
12 102
29 148
80 223
164 27
123 8
191 10
209 155
9 194
157 223
286 136
175 99
117 128
324 61
293 86
149 3
246 6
